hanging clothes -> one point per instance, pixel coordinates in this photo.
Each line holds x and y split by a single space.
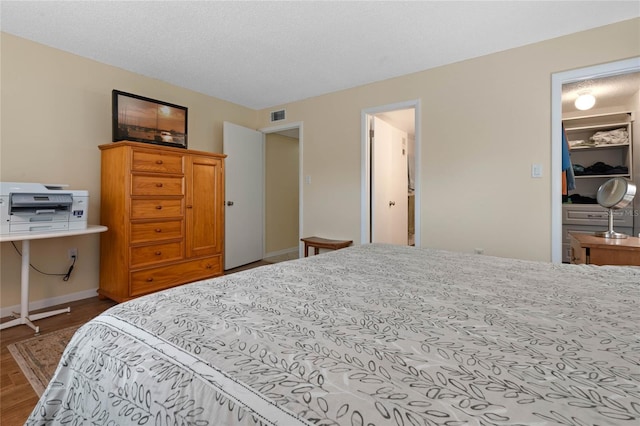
566 162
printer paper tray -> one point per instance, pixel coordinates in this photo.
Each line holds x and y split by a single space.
58 216
38 226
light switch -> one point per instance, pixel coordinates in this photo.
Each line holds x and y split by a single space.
307 179
536 170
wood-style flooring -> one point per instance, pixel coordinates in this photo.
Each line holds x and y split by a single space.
17 397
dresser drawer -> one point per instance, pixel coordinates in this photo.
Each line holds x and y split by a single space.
593 214
155 231
155 209
154 279
157 253
148 161
156 185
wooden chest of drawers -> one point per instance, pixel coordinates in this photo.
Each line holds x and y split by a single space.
165 213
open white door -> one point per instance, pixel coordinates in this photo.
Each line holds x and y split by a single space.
244 190
389 184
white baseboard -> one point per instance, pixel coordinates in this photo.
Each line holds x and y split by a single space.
47 303
281 252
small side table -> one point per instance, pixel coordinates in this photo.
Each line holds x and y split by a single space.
317 243
604 251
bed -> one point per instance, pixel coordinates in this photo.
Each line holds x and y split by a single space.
367 335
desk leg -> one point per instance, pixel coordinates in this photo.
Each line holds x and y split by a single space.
35 317
24 286
23 317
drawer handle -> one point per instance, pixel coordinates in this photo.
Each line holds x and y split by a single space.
158 207
158 161
599 216
209 266
158 185
150 279
158 253
158 230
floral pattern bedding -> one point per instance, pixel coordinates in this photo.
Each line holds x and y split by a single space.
367 335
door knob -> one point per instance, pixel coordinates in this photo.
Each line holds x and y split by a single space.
229 203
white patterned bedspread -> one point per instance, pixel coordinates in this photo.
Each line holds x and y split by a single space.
368 335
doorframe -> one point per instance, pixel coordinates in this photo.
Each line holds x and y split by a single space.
557 80
365 167
274 129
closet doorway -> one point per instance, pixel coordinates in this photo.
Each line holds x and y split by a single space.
557 81
390 174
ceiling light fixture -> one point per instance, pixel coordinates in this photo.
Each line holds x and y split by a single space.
585 101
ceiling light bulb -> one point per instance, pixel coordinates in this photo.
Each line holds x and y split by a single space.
585 101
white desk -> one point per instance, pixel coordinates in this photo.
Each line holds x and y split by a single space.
23 317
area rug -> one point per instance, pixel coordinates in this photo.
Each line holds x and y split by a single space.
38 356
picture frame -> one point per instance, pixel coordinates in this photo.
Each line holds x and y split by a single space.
141 119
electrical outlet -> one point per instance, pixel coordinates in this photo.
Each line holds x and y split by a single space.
478 250
73 252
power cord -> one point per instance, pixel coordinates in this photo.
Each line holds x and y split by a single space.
68 274
65 277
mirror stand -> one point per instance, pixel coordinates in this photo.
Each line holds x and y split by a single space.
610 233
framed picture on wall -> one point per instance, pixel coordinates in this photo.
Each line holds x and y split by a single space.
140 119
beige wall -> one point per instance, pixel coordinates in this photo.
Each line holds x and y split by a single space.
56 110
484 122
281 193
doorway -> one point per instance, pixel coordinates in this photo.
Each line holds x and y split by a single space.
557 81
283 192
404 117
247 195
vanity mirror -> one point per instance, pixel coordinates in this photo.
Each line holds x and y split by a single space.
615 194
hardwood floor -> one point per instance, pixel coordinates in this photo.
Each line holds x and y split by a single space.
17 397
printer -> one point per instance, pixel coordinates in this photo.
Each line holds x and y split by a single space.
36 207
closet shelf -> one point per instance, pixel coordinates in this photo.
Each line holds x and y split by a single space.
607 126
626 175
598 147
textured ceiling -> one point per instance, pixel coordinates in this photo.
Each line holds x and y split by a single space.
262 54
610 91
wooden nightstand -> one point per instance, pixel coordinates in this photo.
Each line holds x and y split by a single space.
604 251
